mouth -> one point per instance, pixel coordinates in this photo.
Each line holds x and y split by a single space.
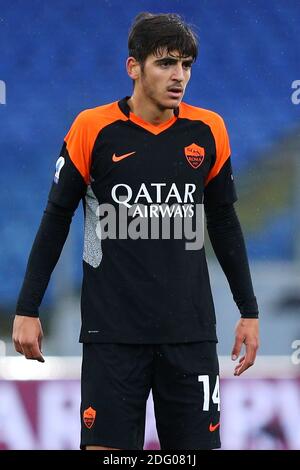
175 92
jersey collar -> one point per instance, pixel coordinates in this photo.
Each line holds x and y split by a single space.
123 105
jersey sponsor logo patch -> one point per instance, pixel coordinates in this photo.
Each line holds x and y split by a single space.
213 427
89 416
194 155
121 157
59 164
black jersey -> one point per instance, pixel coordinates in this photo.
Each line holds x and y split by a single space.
142 282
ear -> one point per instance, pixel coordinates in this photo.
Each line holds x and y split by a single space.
133 68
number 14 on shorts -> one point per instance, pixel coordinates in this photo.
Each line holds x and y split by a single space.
206 392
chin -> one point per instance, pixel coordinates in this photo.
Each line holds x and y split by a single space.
171 103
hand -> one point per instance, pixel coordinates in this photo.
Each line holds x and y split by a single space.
27 337
246 332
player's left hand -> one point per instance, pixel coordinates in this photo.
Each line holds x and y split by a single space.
246 332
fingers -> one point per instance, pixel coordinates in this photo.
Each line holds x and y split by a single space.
40 339
18 347
247 332
237 347
29 350
247 360
32 351
238 368
27 337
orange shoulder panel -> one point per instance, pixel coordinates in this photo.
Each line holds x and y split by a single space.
218 129
81 137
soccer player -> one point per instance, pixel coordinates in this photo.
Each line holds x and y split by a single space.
148 320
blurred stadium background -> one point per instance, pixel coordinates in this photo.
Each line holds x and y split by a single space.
57 58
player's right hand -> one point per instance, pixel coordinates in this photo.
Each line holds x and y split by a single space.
27 337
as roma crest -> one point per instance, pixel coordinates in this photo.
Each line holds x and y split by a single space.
89 416
194 155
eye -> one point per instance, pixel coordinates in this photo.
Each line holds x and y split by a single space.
166 63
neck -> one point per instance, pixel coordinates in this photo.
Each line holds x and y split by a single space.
147 110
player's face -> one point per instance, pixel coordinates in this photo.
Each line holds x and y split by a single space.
164 79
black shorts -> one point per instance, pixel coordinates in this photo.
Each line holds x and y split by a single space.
116 382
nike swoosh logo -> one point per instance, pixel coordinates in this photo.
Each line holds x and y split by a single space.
212 427
117 159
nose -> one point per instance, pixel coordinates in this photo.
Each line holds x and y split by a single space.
178 73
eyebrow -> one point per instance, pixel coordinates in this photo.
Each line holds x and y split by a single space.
174 60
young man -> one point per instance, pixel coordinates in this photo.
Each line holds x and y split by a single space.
148 318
